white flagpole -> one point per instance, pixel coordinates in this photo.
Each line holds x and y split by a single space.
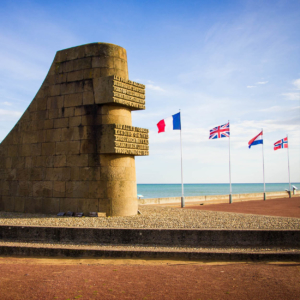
230 196
290 192
182 190
263 164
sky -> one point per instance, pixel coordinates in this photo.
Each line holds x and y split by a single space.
214 60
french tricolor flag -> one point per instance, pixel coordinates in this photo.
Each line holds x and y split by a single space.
170 123
256 140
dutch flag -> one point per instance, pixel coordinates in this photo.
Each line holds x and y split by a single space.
170 123
256 140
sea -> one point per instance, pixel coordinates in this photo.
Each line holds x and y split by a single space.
174 190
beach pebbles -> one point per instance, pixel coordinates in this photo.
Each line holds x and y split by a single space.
158 217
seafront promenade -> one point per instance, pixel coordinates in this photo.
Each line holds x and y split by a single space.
213 199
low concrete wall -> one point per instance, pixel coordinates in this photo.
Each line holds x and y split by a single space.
210 199
85 253
162 237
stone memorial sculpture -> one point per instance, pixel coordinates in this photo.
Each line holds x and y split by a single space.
74 147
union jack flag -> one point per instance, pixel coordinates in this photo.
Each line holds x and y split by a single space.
220 132
283 143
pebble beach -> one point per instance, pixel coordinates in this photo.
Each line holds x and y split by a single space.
158 217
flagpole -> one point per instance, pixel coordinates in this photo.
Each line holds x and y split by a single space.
263 165
182 190
230 196
290 192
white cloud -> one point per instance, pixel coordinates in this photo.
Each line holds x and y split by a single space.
291 96
272 109
250 86
6 103
10 113
296 83
154 87
262 82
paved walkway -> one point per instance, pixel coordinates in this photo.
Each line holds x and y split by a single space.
281 207
26 278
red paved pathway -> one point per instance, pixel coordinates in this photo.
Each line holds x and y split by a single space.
19 280
283 207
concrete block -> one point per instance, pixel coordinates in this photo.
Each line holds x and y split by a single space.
54 90
42 161
56 113
19 204
11 174
13 150
75 121
88 146
79 111
68 204
69 147
78 160
59 189
85 173
28 162
83 63
50 205
61 174
69 112
97 189
72 87
33 205
75 76
55 102
70 134
18 162
87 205
41 103
30 137
94 160
104 206
8 203
48 124
53 135
61 123
42 188
25 189
60 161
37 174
77 189
88 98
22 174
88 85
89 73
1 203
73 99
48 148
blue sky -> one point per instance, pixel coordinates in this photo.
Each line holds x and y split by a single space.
214 60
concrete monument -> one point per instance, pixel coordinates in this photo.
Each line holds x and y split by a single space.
73 148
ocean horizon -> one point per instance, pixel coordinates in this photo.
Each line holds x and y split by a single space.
162 190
